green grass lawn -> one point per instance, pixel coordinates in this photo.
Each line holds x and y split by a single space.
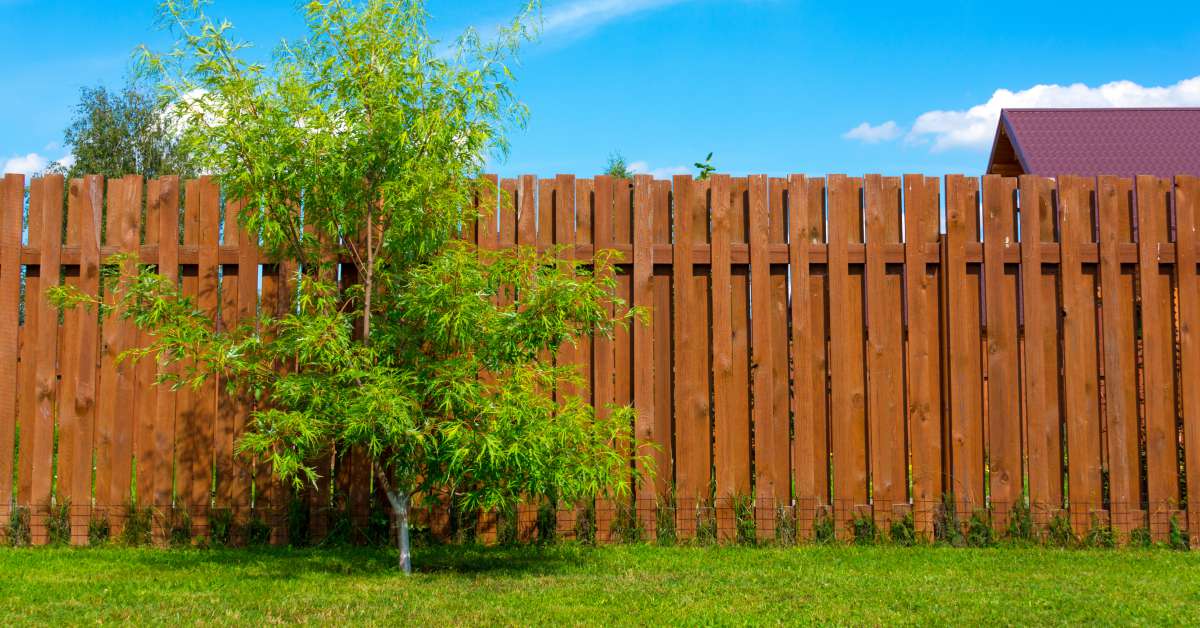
622 584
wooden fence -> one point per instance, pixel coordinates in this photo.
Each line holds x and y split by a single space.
821 344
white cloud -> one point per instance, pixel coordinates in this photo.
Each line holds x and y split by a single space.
34 164
581 16
641 167
27 165
874 134
975 127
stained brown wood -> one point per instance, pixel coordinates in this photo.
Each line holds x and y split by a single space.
803 404
46 199
1039 306
1119 349
11 209
885 352
922 358
769 438
643 337
1003 364
603 382
764 320
165 205
664 451
777 355
847 362
1157 346
1080 381
27 400
1187 205
690 403
77 406
725 418
966 418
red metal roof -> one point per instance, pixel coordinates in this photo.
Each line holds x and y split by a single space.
1051 142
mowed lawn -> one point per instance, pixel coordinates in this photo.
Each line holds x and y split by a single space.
607 585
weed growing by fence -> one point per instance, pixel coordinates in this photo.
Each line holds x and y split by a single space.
664 520
1140 537
585 523
1020 524
785 526
258 533
1059 532
99 531
946 527
547 522
903 531
1177 536
139 525
179 527
58 525
507 529
863 529
744 519
220 526
824 531
1100 535
979 529
19 533
627 526
706 522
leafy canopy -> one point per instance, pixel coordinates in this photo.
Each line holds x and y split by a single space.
358 154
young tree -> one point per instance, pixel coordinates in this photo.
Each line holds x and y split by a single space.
617 167
118 133
365 140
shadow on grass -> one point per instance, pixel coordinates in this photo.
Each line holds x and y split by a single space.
285 563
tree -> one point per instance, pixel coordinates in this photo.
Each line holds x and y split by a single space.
366 140
119 133
617 168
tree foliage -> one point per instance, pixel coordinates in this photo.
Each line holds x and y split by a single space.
364 142
127 132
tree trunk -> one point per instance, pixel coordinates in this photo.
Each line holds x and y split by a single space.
399 500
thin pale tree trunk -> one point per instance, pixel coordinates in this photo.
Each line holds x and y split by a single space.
399 499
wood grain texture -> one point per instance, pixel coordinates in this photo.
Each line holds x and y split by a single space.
12 189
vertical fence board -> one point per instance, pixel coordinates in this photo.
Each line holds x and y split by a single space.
885 355
1187 191
770 431
46 199
27 399
78 408
165 204
603 383
12 192
777 354
690 399
1080 384
724 414
818 386
643 335
1003 386
1158 351
922 358
846 354
803 404
1120 361
623 355
661 319
962 284
1038 290
740 392
145 402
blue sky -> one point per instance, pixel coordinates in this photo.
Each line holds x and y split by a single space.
771 86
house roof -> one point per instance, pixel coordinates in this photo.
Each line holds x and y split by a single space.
1125 142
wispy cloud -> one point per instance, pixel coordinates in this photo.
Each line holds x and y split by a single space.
579 17
663 172
33 164
868 134
973 128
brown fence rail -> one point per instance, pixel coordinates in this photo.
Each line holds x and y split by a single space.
820 348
